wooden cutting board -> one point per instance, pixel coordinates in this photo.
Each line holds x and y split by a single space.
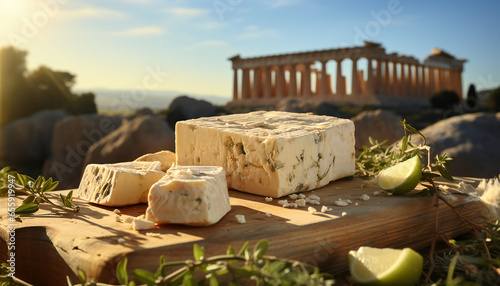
51 245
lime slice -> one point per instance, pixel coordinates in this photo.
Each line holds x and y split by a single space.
401 178
385 266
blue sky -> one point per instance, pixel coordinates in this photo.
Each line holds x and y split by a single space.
115 44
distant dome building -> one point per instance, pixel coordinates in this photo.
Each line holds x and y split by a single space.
364 74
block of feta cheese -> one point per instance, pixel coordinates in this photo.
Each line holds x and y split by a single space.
191 195
166 158
270 153
119 184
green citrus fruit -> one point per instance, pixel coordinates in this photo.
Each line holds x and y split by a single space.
385 266
401 178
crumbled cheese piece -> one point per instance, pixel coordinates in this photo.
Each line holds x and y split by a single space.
450 197
312 210
341 203
240 218
325 209
365 197
444 187
301 202
314 202
141 224
117 211
362 185
344 213
118 218
293 196
121 240
269 199
337 188
302 196
390 194
356 204
282 202
152 234
376 193
348 201
314 197
268 214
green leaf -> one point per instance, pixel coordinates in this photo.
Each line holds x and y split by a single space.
243 248
69 281
27 208
198 252
82 276
213 281
29 199
121 271
230 251
260 249
145 276
444 173
276 266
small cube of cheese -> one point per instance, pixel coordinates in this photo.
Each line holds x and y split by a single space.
190 195
119 184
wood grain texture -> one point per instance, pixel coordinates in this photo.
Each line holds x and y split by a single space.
53 244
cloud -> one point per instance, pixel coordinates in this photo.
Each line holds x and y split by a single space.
186 12
209 43
141 31
92 12
212 25
139 1
254 32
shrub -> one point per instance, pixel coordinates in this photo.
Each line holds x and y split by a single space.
445 99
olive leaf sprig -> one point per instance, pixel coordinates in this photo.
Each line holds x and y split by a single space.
232 268
36 190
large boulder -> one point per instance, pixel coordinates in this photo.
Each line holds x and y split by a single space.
184 107
134 138
71 139
378 124
28 139
471 140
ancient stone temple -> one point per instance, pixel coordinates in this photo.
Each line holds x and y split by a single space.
363 74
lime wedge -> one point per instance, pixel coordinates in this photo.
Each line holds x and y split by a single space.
385 266
401 178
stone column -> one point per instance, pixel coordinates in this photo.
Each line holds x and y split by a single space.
432 81
245 86
423 82
416 81
235 85
404 79
385 79
379 80
370 83
441 83
394 79
257 83
323 88
355 88
340 85
280 81
306 79
293 81
268 82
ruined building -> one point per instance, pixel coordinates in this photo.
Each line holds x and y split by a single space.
365 74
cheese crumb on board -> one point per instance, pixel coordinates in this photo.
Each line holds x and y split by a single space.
344 213
118 218
141 224
268 214
301 202
152 234
121 240
365 197
191 195
312 210
268 199
293 196
119 184
341 203
117 211
270 153
325 209
240 218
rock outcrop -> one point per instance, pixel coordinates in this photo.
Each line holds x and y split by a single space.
378 124
472 141
134 138
28 139
185 107
71 139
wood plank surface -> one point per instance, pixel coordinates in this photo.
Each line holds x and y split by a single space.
51 245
